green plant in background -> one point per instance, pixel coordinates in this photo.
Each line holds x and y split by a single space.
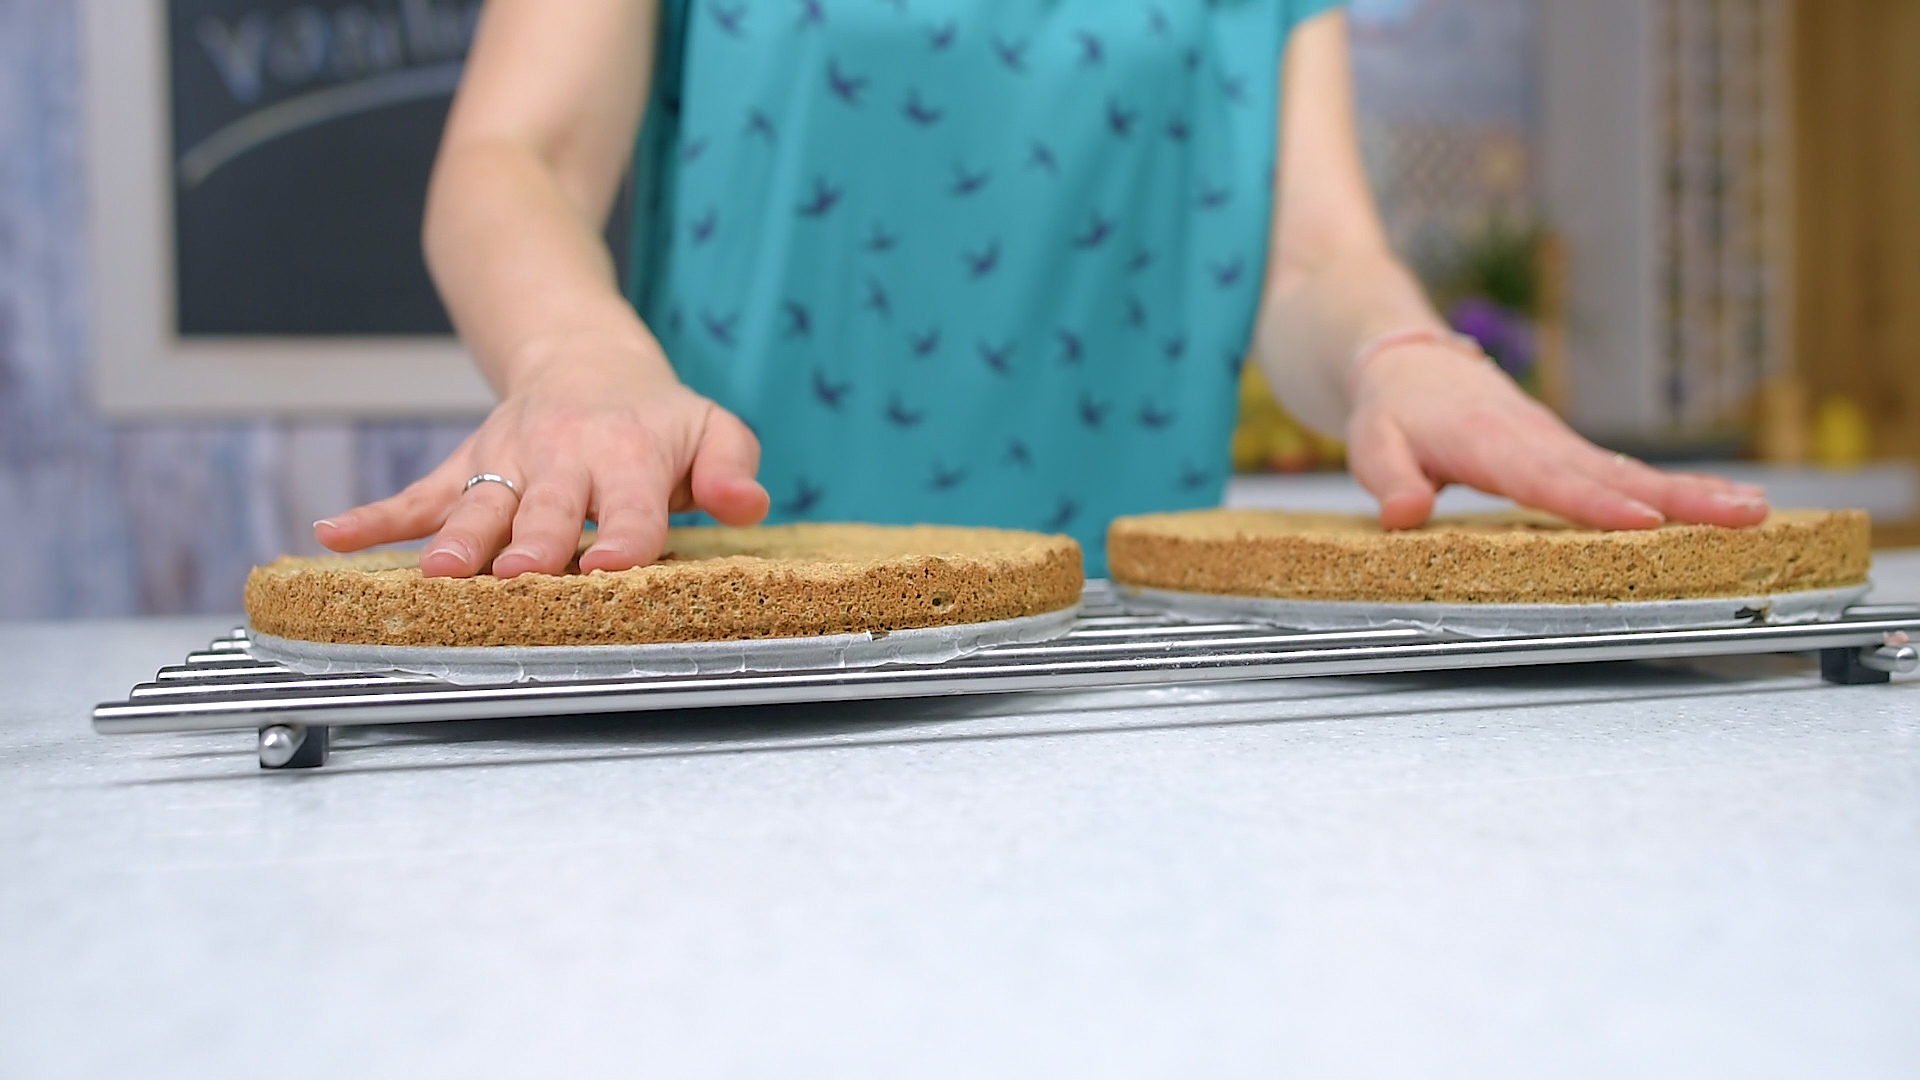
1499 262
1491 291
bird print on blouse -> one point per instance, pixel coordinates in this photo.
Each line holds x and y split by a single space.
952 260
925 345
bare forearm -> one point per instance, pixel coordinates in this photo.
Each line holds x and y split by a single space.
592 423
1332 280
1316 315
522 267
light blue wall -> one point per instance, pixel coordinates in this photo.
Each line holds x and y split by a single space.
99 518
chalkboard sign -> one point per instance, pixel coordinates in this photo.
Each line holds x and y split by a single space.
257 171
303 135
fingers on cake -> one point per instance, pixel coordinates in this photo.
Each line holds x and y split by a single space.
1512 572
764 598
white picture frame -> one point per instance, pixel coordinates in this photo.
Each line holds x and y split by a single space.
141 367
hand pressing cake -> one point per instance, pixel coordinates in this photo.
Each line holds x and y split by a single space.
714 584
1517 557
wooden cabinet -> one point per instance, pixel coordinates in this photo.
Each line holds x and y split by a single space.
1856 75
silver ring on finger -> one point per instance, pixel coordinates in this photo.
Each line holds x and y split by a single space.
491 478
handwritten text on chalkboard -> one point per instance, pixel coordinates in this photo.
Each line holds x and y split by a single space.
303 135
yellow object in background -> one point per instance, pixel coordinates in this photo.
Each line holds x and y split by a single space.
1781 434
1842 435
1268 439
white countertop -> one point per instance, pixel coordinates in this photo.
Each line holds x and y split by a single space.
1685 870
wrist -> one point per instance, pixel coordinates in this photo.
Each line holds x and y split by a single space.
619 353
1371 350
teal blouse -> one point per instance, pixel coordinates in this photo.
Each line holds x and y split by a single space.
986 262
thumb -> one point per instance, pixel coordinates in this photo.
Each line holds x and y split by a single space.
724 465
1382 461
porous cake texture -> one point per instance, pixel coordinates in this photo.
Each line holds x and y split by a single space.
1517 557
714 584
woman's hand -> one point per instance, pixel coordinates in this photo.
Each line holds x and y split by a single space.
591 422
1418 416
1425 416
602 438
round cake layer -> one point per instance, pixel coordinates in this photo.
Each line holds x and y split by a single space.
714 584
1517 557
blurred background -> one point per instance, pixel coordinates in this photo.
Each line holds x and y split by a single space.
1690 226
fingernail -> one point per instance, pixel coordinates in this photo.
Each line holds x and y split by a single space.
1749 489
1741 501
451 547
523 553
328 522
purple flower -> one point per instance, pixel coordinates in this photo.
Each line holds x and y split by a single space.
1507 336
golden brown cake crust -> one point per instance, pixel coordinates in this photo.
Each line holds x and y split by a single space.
1517 557
715 584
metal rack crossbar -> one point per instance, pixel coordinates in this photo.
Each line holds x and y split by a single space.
226 688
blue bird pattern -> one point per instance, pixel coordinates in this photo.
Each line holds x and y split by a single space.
920 112
1092 49
829 393
825 198
805 497
799 318
968 181
999 359
880 241
1096 233
947 257
900 416
1072 349
731 18
845 87
1012 54
878 300
702 230
982 262
925 345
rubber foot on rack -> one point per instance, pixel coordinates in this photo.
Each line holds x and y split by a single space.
1843 666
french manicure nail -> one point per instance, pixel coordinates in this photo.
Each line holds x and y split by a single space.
453 548
328 522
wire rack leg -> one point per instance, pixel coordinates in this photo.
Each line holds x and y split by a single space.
294 746
1843 666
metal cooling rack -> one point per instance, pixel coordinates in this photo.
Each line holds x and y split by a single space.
224 687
